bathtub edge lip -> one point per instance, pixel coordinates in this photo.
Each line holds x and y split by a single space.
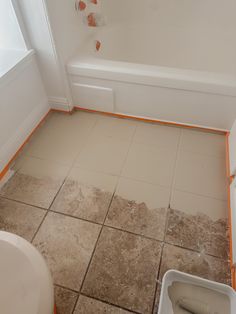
188 80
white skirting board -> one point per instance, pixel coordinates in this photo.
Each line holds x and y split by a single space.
8 150
59 104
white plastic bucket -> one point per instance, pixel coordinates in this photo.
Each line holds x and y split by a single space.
165 306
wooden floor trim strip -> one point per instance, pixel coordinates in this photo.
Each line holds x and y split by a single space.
168 123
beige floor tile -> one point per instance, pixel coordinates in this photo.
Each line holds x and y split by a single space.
123 270
156 135
196 204
56 148
65 300
36 182
201 174
190 262
150 164
104 154
20 219
86 195
61 138
198 232
140 208
203 143
77 121
87 305
122 129
67 244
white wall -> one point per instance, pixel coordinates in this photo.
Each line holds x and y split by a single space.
10 34
68 29
189 34
39 30
23 103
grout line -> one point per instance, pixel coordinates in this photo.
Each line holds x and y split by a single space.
128 151
104 224
58 163
159 268
66 288
108 208
93 252
175 165
87 269
48 210
75 217
23 203
166 224
112 304
157 278
85 143
202 195
198 252
39 226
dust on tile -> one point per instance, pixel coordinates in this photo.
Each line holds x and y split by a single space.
198 232
86 194
123 270
67 244
194 263
87 305
35 183
65 300
20 219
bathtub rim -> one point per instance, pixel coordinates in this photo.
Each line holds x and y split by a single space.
152 75
17 65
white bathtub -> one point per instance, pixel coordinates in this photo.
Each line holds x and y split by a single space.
135 77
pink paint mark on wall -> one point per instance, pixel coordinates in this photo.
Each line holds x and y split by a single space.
98 45
80 5
91 19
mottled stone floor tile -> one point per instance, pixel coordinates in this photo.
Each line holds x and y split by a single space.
194 263
20 219
65 300
214 237
36 182
123 270
140 208
137 218
67 244
182 230
198 232
87 305
86 195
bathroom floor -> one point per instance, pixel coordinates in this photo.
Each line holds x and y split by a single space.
112 204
